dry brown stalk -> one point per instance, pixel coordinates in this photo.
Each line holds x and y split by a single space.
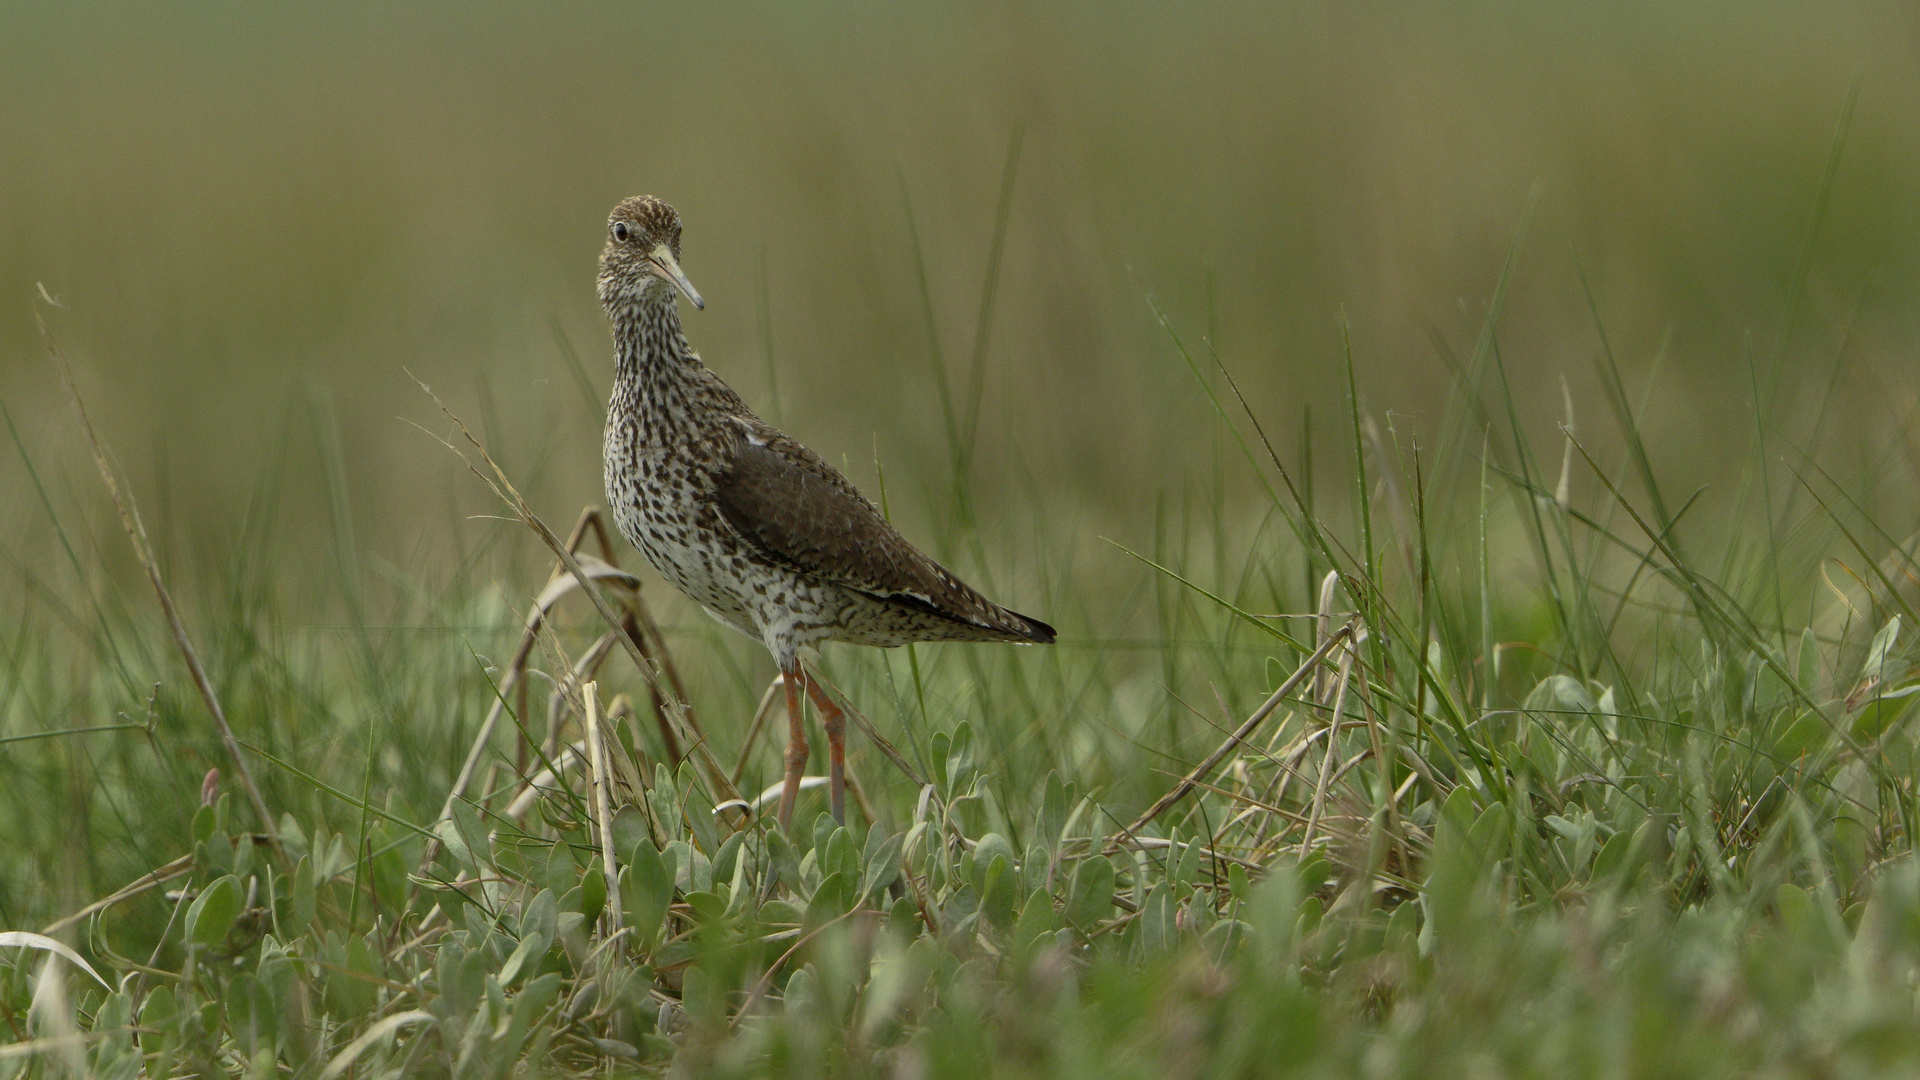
503 487
137 535
515 678
1289 761
677 691
590 518
637 612
149 880
570 695
759 721
1240 734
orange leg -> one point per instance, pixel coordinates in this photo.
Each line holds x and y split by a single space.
796 744
835 722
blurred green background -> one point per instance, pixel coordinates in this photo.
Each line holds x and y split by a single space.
261 218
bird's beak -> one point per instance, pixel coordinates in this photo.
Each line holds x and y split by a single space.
665 265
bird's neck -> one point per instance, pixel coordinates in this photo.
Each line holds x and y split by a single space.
647 340
655 369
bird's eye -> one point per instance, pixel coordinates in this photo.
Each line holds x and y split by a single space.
620 231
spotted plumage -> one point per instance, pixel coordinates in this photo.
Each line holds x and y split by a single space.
743 519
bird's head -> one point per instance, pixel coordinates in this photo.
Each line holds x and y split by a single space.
641 263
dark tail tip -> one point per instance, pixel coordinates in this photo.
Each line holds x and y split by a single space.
1036 631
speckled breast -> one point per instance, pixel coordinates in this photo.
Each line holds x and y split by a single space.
659 501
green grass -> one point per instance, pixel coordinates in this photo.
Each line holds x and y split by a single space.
1618 780
1609 791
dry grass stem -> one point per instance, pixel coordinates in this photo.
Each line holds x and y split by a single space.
891 752
1240 734
1333 744
179 867
137 535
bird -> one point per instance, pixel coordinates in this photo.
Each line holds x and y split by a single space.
748 523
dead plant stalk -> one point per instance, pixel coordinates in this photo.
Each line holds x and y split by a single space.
503 487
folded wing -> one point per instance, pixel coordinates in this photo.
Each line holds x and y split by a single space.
799 512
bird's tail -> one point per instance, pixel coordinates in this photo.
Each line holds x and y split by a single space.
1026 628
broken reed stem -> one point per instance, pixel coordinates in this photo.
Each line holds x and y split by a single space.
590 519
503 487
1200 771
1288 762
1333 746
597 754
514 679
137 535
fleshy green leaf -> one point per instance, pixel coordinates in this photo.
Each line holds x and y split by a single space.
212 913
646 890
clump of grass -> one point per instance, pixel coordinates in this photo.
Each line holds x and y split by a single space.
1548 782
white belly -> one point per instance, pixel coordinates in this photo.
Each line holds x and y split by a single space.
682 535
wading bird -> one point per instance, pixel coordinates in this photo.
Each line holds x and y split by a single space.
751 525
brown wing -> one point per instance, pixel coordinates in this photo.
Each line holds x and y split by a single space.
801 513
